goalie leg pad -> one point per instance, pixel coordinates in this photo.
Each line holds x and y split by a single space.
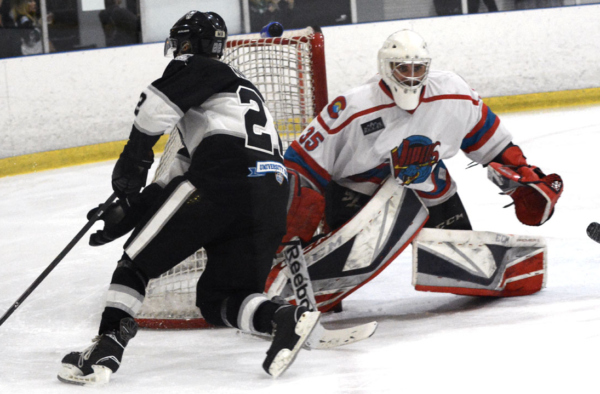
478 263
349 257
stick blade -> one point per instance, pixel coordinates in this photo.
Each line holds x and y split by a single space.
322 338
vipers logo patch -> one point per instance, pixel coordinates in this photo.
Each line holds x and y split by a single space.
414 159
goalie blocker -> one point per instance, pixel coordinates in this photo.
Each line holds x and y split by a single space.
479 263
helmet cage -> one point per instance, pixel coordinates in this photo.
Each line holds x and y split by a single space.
403 63
410 74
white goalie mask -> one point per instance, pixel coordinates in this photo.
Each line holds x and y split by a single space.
404 65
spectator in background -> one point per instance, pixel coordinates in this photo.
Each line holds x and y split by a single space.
121 26
4 17
473 6
10 42
528 4
23 13
297 14
263 12
448 7
132 6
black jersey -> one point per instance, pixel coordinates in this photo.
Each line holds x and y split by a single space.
228 132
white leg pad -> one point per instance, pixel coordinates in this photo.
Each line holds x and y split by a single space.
479 263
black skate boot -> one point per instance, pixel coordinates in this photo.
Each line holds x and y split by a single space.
291 327
96 363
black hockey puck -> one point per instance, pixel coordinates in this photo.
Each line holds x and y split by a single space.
593 231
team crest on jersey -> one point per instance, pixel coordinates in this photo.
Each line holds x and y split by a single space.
413 160
264 167
336 106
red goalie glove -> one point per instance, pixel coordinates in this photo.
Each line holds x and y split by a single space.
534 194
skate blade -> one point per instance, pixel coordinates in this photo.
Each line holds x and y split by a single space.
72 375
285 357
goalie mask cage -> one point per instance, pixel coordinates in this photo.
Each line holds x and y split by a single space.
289 71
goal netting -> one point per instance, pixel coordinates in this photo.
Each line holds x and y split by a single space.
289 71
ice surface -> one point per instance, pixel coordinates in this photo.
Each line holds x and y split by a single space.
428 343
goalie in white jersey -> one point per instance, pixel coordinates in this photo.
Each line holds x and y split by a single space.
403 123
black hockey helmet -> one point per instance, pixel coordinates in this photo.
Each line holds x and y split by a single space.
198 33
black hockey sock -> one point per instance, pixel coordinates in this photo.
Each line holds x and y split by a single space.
126 276
111 319
263 317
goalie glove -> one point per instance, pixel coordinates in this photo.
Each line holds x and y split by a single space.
534 193
123 215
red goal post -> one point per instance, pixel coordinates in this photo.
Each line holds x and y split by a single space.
290 73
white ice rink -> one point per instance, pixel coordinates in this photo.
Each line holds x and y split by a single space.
426 342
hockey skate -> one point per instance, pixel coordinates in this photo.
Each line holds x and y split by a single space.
99 361
292 325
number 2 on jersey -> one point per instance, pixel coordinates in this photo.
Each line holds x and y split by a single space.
258 134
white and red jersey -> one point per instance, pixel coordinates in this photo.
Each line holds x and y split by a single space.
362 137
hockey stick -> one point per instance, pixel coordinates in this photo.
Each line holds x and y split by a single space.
58 258
321 337
593 231
300 280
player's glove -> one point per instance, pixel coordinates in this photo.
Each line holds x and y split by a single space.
131 171
534 193
130 174
123 215
114 225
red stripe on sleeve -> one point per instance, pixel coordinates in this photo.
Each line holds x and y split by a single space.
486 137
310 162
479 125
323 124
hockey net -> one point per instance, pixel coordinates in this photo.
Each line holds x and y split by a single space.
290 73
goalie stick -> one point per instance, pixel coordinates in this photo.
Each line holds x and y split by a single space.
593 231
321 337
58 258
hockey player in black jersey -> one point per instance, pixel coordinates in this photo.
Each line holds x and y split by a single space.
226 191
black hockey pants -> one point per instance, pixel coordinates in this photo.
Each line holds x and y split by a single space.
240 242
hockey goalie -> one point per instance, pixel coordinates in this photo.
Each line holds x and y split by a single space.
370 167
